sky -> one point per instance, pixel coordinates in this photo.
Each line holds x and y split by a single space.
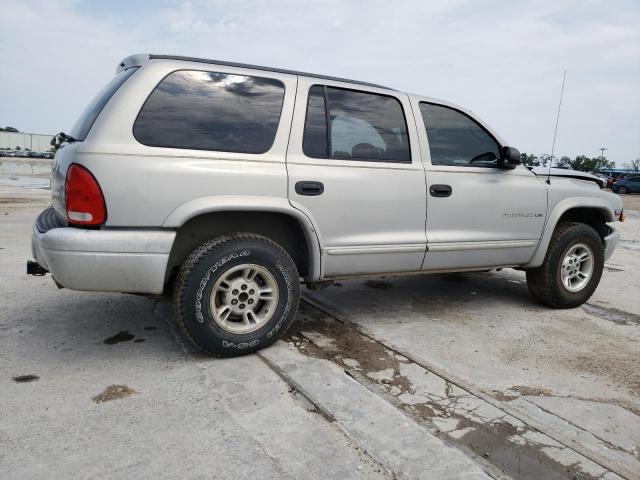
504 60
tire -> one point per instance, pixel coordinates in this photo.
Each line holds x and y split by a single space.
221 268
622 190
547 283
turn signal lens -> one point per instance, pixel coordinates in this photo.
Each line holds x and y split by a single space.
84 200
622 216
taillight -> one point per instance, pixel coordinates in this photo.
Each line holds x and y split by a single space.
84 200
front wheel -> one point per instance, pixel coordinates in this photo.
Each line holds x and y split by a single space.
236 294
571 269
622 190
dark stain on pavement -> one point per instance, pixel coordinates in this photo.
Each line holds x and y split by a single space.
122 336
619 317
26 378
379 284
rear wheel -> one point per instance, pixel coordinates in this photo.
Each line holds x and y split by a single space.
236 294
572 267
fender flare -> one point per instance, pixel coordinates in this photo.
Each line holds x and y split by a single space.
229 203
552 220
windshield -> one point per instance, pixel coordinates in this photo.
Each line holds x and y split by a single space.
85 122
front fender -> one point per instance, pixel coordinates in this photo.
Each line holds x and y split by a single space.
229 203
599 204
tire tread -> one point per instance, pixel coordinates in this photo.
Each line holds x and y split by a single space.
192 260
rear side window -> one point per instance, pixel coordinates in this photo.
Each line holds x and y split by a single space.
353 125
85 122
457 140
211 111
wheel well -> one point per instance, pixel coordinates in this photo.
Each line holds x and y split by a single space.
286 231
590 216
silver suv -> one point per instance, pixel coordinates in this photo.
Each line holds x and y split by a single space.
233 184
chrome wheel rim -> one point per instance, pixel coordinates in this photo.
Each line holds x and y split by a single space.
244 298
577 267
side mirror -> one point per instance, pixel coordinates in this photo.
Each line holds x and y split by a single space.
509 158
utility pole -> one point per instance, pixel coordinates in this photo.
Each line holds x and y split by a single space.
602 149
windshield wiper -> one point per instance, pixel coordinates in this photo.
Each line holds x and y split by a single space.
61 138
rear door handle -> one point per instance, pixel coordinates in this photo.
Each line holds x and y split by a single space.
440 190
309 188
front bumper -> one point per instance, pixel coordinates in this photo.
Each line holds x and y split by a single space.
610 242
105 260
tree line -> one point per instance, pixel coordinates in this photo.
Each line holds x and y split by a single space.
581 163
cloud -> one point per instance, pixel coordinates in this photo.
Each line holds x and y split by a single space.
504 60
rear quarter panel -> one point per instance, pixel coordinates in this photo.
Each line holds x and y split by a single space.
142 185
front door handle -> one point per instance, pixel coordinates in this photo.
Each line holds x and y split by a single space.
440 190
309 188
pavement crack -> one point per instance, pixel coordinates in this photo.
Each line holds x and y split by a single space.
578 427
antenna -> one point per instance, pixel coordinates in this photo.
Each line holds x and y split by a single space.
555 132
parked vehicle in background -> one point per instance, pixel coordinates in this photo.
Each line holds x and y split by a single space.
629 184
606 179
233 184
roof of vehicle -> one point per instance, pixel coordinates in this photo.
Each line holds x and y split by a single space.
139 59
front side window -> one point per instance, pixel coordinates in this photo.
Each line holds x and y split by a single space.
211 111
457 140
352 125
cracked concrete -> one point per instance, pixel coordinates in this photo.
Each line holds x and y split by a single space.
485 432
191 416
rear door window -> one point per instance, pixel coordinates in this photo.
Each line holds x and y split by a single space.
354 125
88 117
211 111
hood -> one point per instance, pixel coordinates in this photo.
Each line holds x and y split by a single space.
561 172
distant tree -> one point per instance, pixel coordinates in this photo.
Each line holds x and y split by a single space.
633 165
530 159
9 129
587 164
564 162
18 147
545 158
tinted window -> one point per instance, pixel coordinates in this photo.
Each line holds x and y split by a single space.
85 122
455 139
362 126
314 143
211 111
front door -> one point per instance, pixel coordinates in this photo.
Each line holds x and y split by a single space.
354 169
478 215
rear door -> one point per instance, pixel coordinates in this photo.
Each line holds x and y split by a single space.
478 215
354 168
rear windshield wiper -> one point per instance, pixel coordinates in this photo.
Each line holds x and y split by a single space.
61 138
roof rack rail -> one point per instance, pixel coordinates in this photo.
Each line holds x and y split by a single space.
266 69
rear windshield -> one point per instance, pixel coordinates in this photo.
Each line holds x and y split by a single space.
85 122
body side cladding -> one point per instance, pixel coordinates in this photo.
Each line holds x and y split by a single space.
584 203
256 204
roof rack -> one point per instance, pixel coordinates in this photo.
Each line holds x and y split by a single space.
266 69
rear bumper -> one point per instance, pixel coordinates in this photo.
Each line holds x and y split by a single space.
105 260
610 242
